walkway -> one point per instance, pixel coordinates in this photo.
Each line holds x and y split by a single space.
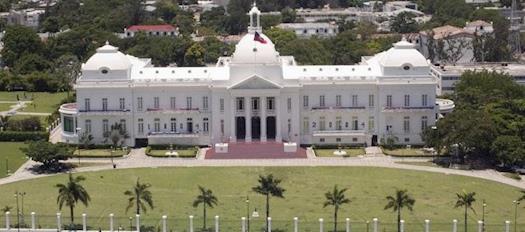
137 159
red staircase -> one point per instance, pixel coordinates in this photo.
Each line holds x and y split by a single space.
256 150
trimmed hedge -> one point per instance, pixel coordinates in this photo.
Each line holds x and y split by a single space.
22 136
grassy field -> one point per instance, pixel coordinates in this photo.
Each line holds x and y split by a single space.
42 101
10 153
183 153
97 153
423 163
175 188
406 152
43 119
5 106
352 152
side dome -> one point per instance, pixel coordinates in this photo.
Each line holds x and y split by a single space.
107 59
403 55
251 51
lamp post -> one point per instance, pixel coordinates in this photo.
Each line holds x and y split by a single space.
255 214
247 213
111 155
483 215
130 223
516 203
17 212
78 144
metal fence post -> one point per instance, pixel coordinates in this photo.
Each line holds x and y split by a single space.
401 225
243 224
347 225
59 222
84 222
217 223
375 220
111 222
427 225
320 225
7 222
137 222
507 226
164 228
454 225
191 223
480 226
269 224
33 221
295 224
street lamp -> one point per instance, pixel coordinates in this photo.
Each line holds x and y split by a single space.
483 215
130 223
78 144
248 213
516 203
17 212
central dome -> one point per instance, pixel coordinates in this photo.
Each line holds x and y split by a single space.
251 51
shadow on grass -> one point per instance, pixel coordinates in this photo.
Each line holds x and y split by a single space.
51 169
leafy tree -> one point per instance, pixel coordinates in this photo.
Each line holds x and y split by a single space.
51 24
336 198
280 37
308 51
19 41
31 62
401 199
509 149
86 139
139 196
465 199
214 49
185 22
206 198
47 153
167 10
288 15
404 23
117 135
268 21
194 55
269 187
215 18
70 193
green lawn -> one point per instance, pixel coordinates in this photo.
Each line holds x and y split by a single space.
42 101
406 152
183 153
43 119
352 152
6 106
175 188
423 163
98 153
10 155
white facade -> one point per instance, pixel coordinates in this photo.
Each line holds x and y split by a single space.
255 95
311 29
26 17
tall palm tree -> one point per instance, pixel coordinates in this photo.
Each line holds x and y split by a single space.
465 200
139 195
71 193
269 186
206 198
336 198
398 201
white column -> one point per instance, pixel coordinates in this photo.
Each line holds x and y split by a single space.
278 118
454 225
402 225
7 222
84 222
33 221
480 226
111 222
375 224
248 118
233 107
137 222
269 224
263 119
427 225
295 224
191 223
164 227
507 226
243 224
320 225
348 229
217 223
59 223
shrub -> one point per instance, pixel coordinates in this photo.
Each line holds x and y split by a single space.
24 124
21 136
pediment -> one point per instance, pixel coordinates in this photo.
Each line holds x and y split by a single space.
256 82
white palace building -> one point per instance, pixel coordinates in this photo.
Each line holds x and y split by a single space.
254 95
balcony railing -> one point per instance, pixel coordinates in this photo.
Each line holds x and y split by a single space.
338 107
338 132
107 110
173 134
407 108
172 109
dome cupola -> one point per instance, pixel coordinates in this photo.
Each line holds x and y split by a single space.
107 63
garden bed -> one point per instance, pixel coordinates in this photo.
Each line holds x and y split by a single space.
350 152
99 153
182 153
407 152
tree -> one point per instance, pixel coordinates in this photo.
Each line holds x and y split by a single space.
194 55
206 198
85 139
269 187
47 153
336 198
404 23
389 141
117 135
509 149
139 196
184 20
288 15
398 201
6 209
18 42
70 193
465 199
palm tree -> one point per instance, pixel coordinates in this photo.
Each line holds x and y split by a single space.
336 198
206 198
522 196
269 186
71 193
398 201
138 196
465 200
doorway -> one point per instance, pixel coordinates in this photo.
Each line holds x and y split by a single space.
256 128
240 127
270 127
374 140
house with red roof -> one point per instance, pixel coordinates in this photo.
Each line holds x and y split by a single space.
152 30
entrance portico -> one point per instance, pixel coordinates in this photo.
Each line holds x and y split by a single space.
255 118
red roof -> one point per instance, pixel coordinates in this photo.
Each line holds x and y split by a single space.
164 27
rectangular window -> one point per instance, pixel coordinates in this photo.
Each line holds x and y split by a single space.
87 126
322 123
407 100
156 102
173 103
338 100
240 103
406 124
221 104
389 101
371 102
141 126
338 123
173 125
189 103
355 123
255 103
305 101
270 103
424 100
306 125
105 128
123 124
289 126
222 127
424 123
371 123
205 125
156 125
205 103
122 103
321 101
289 104
87 104
104 104
354 100
139 103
